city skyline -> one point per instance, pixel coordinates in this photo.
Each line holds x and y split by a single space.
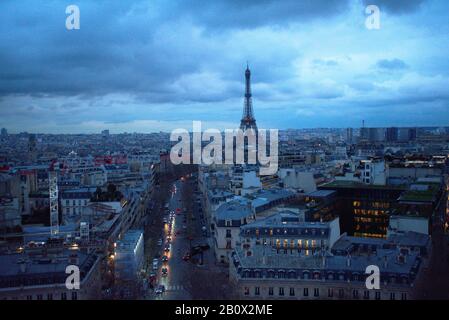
150 67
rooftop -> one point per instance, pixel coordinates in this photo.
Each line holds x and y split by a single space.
268 258
18 270
359 185
234 210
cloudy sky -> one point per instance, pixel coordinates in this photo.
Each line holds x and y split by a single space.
144 66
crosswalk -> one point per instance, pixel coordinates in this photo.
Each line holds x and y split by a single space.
177 287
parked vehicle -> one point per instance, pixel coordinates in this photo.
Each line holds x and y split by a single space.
186 256
160 289
164 272
155 264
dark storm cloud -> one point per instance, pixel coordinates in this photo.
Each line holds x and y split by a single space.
176 60
120 46
225 14
396 6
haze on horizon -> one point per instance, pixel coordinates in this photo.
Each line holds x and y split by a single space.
149 66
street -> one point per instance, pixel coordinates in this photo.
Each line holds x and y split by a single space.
182 276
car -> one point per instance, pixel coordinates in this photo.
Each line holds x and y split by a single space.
159 242
204 246
167 248
152 276
164 272
186 256
155 264
160 289
164 259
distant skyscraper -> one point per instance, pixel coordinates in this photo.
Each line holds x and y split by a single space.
248 121
364 132
376 134
412 134
349 135
392 134
32 148
407 134
4 132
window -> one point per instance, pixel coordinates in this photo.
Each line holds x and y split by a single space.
270 291
246 291
392 296
403 296
64 296
377 295
74 295
39 297
306 292
316 292
50 296
257 291
330 293
281 291
29 297
228 233
341 293
292 292
366 295
355 294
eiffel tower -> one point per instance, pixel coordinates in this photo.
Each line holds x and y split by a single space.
248 121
